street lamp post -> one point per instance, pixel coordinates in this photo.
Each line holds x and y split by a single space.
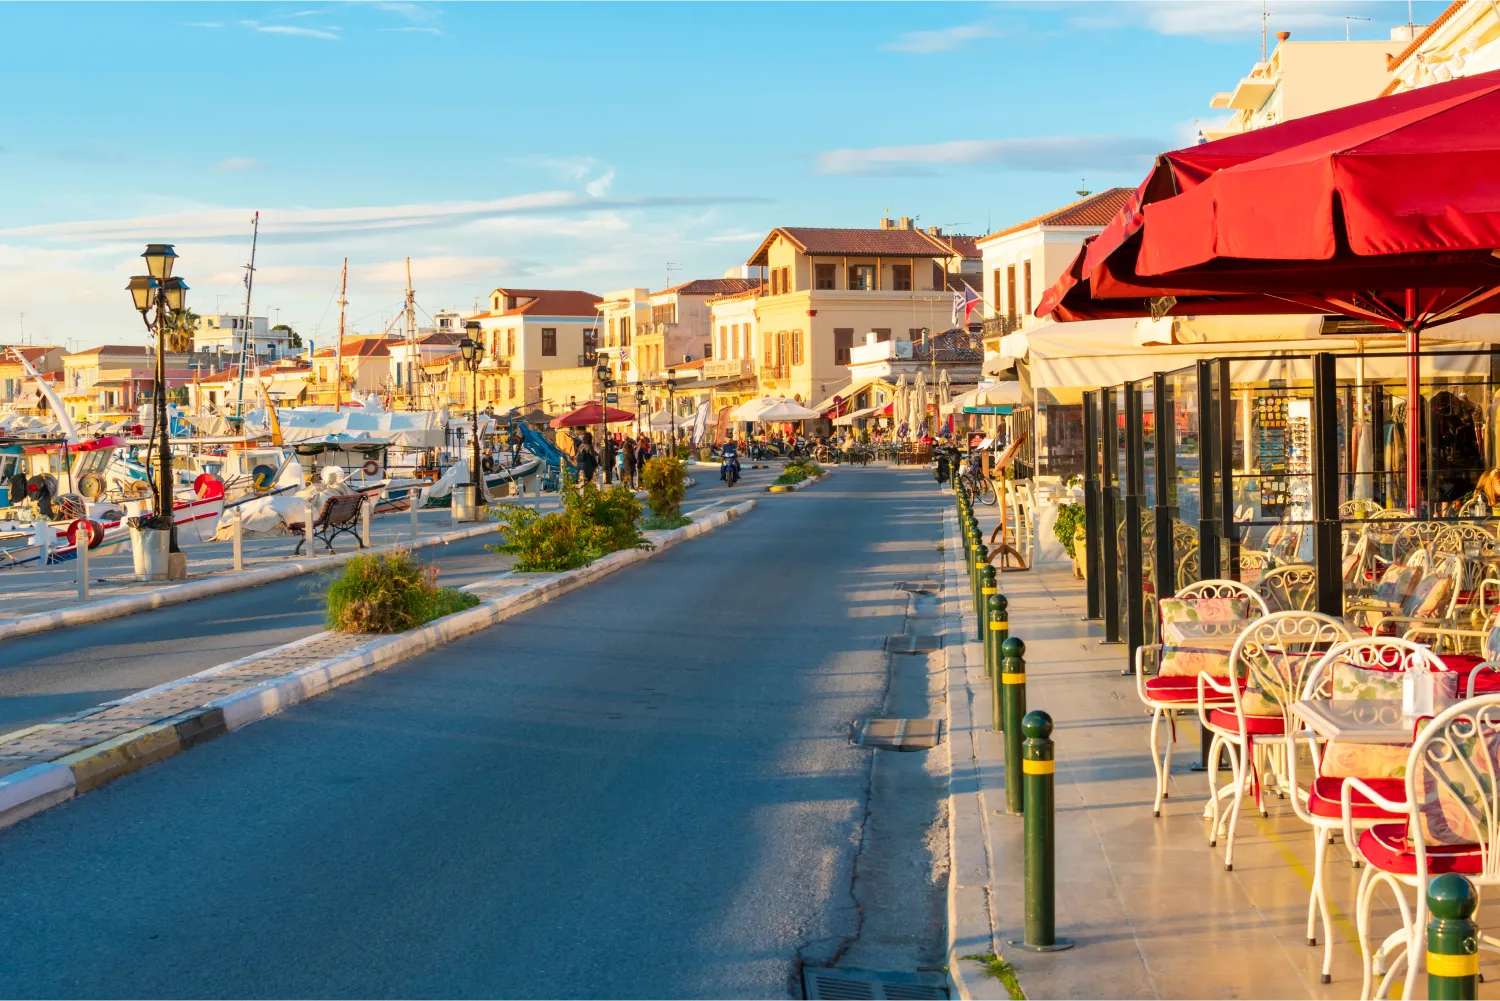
473 354
165 297
671 384
640 402
605 382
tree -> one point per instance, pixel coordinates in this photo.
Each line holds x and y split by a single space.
293 338
180 331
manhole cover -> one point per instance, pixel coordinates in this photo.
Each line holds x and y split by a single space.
825 982
913 643
902 734
917 586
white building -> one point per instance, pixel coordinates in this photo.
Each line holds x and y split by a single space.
223 332
528 331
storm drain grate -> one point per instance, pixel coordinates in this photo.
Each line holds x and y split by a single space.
913 643
857 985
902 734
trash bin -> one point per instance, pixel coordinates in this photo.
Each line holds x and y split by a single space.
149 548
464 508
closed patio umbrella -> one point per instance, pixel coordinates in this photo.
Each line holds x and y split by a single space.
591 413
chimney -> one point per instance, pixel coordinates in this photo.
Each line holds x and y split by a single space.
935 230
1282 36
905 222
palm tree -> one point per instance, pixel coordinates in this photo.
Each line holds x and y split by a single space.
180 332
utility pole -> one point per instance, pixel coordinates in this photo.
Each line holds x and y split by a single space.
1265 16
338 351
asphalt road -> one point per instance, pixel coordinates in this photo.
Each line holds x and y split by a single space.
47 675
644 788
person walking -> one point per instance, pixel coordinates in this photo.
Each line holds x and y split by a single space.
627 463
588 461
642 450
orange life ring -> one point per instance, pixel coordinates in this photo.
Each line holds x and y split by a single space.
371 467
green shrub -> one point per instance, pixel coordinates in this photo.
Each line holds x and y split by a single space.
593 523
657 524
798 470
389 594
665 481
1069 517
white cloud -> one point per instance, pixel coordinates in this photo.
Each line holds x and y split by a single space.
415 28
1045 153
1226 19
599 186
328 34
205 24
736 238
236 164
941 39
573 168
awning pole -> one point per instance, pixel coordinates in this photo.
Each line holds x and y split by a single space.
1413 402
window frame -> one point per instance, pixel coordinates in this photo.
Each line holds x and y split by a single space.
549 342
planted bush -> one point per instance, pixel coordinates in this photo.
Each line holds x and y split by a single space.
665 481
798 470
1069 518
593 523
389 594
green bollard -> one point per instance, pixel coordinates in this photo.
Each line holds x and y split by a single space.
999 631
1452 939
1012 708
1041 864
981 560
987 590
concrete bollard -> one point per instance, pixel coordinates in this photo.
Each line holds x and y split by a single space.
81 546
238 538
1012 708
1037 767
412 497
1452 939
987 590
999 632
366 502
307 525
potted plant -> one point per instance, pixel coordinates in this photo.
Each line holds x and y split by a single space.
1070 532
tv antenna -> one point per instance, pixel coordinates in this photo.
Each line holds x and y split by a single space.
1083 188
1265 16
671 267
1351 17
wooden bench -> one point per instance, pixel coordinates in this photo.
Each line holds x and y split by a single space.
339 516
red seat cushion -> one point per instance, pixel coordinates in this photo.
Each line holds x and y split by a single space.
1386 846
1256 726
1323 799
1179 689
1463 664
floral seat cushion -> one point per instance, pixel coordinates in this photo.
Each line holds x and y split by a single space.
1198 633
1345 759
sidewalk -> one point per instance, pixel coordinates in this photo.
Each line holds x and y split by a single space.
1147 902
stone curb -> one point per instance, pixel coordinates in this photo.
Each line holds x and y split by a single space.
971 925
113 608
794 487
39 787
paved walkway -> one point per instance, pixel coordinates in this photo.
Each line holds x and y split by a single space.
1148 903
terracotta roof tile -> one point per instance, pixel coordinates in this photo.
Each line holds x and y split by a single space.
550 302
1416 43
854 243
713 286
1095 210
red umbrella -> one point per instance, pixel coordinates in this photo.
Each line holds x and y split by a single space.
590 413
1388 211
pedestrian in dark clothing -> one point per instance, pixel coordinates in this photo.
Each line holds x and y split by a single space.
629 467
587 460
607 464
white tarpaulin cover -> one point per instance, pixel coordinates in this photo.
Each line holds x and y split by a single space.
408 429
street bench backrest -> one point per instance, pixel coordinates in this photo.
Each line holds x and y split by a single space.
341 510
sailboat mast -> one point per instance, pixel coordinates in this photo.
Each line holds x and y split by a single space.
411 339
338 351
239 406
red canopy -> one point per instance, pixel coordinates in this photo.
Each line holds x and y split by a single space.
1341 212
590 413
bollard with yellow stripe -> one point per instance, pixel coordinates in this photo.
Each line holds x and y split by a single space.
987 590
1037 765
981 560
999 623
1012 708
1452 939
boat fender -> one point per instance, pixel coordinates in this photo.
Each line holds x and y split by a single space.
372 468
208 487
93 528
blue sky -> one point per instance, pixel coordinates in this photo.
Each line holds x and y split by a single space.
561 145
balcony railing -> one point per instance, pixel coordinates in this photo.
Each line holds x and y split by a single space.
728 368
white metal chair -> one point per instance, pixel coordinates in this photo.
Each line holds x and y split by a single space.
1271 660
1166 696
1290 588
1321 806
1457 756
